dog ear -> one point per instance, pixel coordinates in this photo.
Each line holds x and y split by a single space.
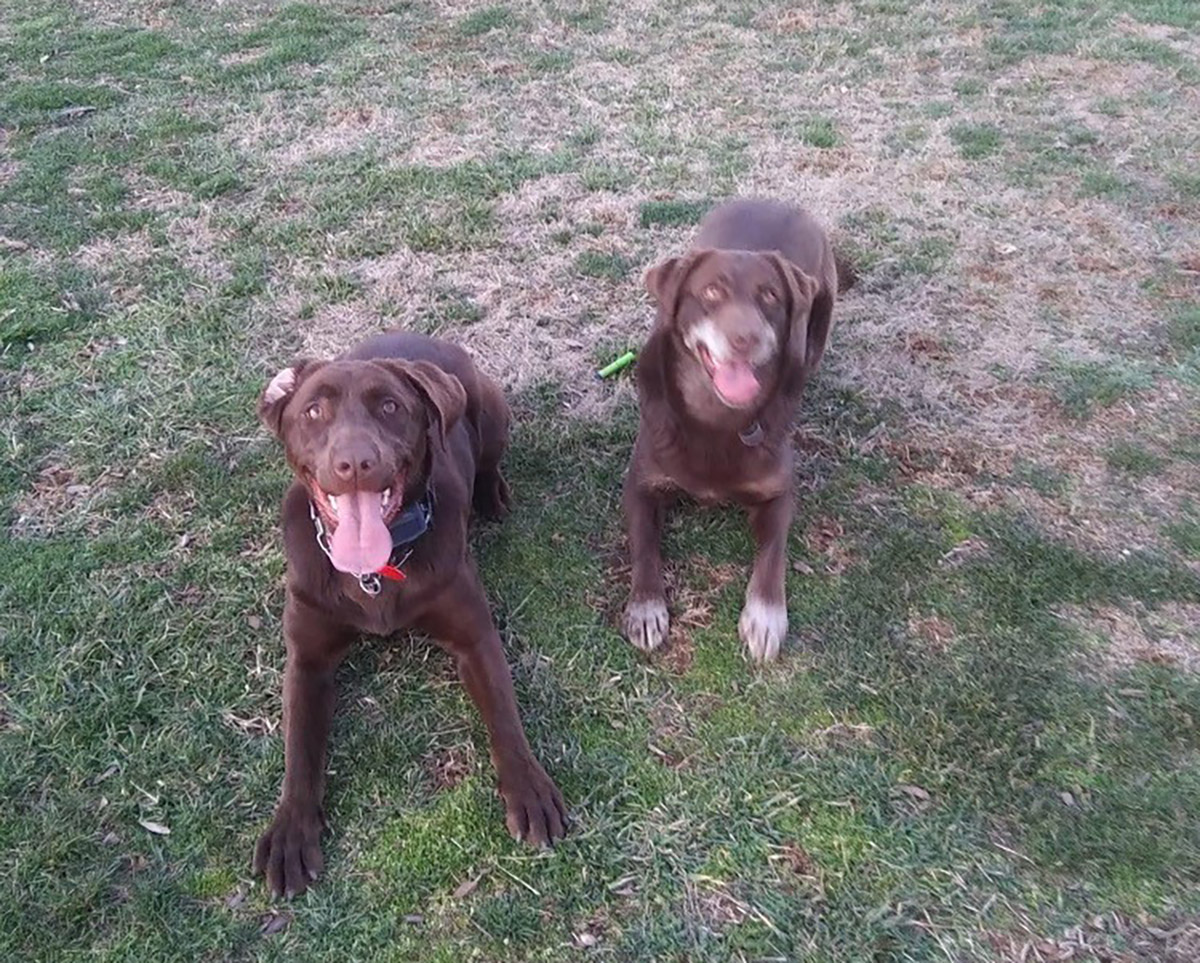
442 390
808 324
665 280
279 391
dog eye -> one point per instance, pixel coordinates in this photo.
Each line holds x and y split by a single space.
313 411
388 407
768 296
712 293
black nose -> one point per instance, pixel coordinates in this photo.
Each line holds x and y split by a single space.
355 461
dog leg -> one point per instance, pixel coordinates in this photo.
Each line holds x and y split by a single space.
646 620
288 854
461 623
763 623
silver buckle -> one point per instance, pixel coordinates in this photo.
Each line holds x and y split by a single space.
369 582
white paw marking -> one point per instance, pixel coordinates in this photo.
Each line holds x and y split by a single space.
763 627
646 623
282 385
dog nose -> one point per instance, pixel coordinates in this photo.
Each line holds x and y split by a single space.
743 341
350 463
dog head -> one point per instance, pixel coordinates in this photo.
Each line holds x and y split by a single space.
741 316
358 435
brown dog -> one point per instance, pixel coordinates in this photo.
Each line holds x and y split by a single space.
391 445
742 323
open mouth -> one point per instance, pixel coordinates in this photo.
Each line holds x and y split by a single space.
357 522
733 380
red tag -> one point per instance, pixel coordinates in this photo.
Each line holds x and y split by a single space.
390 571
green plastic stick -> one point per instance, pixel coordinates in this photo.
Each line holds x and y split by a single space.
613 367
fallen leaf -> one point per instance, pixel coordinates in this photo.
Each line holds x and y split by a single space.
275 923
70 113
254 622
586 939
1067 798
12 244
916 792
152 827
415 919
466 887
235 899
803 568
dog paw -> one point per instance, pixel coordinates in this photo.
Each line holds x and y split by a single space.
533 807
763 627
646 623
288 854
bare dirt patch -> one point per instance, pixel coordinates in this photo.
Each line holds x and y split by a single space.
451 766
113 254
59 501
1106 936
1126 637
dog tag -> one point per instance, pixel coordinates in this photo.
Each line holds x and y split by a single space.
752 437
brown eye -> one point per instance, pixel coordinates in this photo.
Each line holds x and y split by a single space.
313 411
768 296
388 407
712 293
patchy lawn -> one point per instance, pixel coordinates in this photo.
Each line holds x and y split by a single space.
982 742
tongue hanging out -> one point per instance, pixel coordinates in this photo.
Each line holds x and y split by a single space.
735 382
361 543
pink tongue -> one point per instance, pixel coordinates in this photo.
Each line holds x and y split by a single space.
735 382
361 543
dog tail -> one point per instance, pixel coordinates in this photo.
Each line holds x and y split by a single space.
847 276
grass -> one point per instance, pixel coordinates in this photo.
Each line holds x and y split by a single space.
943 764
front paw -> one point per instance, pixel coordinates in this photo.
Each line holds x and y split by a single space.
646 623
288 854
763 627
533 806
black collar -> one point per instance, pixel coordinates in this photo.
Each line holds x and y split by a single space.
411 524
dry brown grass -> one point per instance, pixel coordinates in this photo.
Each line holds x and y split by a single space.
59 501
1030 273
1124 637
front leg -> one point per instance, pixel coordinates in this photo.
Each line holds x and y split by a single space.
646 620
764 622
288 854
460 621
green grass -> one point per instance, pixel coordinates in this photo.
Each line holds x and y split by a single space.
163 253
600 264
976 141
677 213
1133 459
819 132
1083 387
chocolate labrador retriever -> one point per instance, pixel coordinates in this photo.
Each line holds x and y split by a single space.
391 446
742 323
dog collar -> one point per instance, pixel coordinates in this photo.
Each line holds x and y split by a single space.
753 436
413 522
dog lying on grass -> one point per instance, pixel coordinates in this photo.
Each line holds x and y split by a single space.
391 445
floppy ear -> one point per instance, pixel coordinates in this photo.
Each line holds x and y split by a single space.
665 280
279 391
444 392
809 315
